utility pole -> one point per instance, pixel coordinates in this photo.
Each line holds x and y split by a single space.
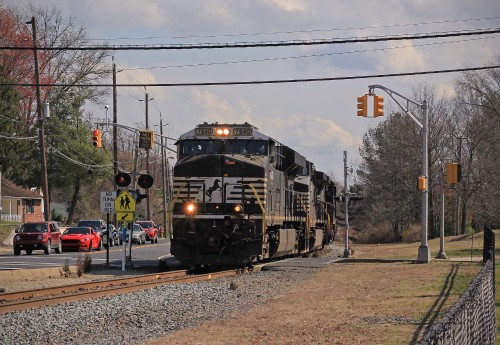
148 199
164 179
442 254
424 255
347 252
458 228
41 127
115 121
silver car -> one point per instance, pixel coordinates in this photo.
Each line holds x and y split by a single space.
138 234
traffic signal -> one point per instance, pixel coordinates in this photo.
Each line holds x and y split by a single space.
146 139
97 138
378 106
363 106
422 183
122 179
145 181
454 174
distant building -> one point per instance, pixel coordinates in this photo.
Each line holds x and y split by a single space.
19 204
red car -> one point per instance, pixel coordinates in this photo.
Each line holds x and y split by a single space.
37 235
151 230
80 238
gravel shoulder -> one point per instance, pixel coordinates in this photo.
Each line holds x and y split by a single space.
374 302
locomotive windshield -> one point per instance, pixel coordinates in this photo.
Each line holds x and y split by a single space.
202 147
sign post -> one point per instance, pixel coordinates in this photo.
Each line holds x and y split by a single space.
107 203
124 205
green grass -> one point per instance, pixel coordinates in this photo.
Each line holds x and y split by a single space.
6 228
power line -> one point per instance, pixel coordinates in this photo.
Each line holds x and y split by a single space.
365 39
277 81
296 31
306 56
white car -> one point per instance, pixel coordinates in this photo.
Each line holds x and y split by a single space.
138 235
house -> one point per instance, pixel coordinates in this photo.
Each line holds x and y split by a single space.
19 204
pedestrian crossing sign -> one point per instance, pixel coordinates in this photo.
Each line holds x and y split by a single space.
124 203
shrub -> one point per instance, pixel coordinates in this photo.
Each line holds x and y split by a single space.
87 263
66 269
79 266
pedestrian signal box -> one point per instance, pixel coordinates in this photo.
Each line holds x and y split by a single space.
454 174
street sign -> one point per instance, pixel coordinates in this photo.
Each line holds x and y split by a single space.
124 216
124 203
108 202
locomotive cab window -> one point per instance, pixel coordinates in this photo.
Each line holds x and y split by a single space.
250 147
199 147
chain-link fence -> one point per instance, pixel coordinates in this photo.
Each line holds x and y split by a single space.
472 320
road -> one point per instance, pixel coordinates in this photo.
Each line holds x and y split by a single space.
144 255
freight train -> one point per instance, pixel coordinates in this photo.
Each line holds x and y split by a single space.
241 197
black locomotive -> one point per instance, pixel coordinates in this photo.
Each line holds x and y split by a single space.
241 197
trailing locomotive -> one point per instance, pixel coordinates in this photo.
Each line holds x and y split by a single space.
242 197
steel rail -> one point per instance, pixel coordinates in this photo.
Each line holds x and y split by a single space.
69 293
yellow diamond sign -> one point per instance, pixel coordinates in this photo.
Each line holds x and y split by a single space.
124 203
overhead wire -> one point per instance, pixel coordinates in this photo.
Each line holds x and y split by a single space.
283 43
307 56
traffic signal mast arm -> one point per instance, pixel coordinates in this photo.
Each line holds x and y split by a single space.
135 130
408 101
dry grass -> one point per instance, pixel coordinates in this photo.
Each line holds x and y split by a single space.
353 303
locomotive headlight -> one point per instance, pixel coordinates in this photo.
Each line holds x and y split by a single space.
222 132
190 208
238 208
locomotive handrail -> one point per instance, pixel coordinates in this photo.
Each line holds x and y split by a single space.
262 209
170 211
308 230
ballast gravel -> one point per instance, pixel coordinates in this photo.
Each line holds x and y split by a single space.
133 318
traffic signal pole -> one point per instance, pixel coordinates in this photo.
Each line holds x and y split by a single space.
424 255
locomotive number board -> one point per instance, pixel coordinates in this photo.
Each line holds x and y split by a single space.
233 131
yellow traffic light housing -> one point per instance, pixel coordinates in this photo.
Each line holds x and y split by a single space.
363 106
378 106
422 183
454 173
97 138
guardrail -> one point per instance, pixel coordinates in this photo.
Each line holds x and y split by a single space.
472 320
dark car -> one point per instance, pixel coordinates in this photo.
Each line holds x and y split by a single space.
37 236
98 225
151 230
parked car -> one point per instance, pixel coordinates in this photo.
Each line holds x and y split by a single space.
80 238
98 225
151 230
138 234
37 236
113 234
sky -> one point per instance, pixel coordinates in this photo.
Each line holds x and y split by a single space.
317 119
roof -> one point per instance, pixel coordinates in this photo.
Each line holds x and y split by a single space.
10 189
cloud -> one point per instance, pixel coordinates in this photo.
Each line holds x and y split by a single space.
216 109
290 5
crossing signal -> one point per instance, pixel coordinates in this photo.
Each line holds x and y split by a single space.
145 181
363 106
122 179
97 138
378 106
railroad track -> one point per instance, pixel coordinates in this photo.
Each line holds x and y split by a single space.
22 300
